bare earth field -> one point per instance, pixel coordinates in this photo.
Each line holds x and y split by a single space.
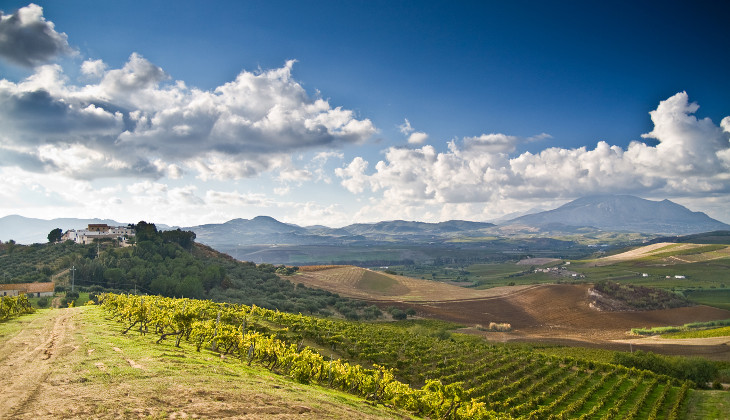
553 313
561 314
72 363
366 284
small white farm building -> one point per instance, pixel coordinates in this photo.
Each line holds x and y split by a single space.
30 289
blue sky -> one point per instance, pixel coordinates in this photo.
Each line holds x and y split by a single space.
337 112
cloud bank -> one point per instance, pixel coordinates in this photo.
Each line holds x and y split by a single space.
135 121
692 158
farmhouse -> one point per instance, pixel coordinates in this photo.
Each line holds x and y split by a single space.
30 289
98 231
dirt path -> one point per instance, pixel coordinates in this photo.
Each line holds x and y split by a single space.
27 359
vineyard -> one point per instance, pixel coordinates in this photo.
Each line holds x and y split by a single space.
416 368
12 306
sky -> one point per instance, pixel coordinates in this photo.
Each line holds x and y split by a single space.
330 112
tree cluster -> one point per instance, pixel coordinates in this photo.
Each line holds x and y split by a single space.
641 297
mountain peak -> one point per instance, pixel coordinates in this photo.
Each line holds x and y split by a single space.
265 219
625 213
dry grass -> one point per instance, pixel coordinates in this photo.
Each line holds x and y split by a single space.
362 283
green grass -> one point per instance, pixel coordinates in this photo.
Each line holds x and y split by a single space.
34 301
83 298
719 298
692 327
705 275
713 332
707 405
11 326
594 354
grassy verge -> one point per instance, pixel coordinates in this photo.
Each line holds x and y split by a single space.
691 330
707 405
719 298
714 332
10 327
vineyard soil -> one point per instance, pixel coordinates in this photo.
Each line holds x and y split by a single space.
73 363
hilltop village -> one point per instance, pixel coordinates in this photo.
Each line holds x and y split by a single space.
98 231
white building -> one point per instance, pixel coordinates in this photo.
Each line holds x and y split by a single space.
30 289
98 231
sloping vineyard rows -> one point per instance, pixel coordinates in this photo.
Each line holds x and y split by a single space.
453 377
237 330
12 306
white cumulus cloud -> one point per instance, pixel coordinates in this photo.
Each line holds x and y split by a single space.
692 157
418 137
146 126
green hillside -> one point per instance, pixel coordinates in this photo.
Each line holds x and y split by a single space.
169 263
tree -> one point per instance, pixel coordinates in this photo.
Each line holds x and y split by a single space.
55 235
145 231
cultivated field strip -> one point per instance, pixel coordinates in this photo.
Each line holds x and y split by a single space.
413 367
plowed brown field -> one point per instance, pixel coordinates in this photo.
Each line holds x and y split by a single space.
555 313
561 314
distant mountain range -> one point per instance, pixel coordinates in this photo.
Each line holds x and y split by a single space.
622 213
608 212
266 230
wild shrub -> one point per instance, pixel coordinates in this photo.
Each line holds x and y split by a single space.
500 326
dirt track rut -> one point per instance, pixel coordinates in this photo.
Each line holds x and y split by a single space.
27 359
